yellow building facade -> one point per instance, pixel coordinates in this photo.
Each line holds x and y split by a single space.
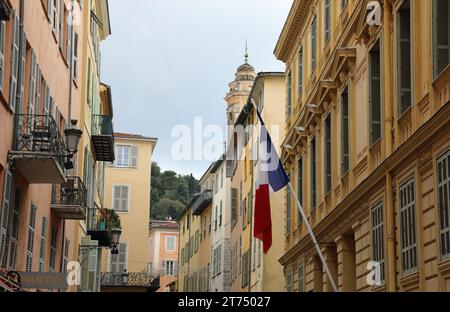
127 192
367 144
195 239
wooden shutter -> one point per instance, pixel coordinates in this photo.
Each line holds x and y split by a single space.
7 189
32 84
43 244
2 54
54 237
15 63
13 247
408 236
30 242
134 156
234 203
38 90
61 24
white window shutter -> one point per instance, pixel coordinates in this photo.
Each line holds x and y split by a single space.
61 24
14 63
2 54
124 194
134 156
32 84
116 197
5 212
69 44
38 90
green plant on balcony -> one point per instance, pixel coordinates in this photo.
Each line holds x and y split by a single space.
109 219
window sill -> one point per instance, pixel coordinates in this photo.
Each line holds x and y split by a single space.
375 145
406 112
410 280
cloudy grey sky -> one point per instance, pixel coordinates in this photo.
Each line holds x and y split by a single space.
169 61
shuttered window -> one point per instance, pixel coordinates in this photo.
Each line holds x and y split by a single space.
404 53
375 92
301 278
170 243
289 281
13 248
378 253
169 267
69 43
118 263
6 206
234 204
32 84
245 267
327 156
66 254
443 173
289 96
2 54
126 156
75 56
30 241
345 133
38 90
408 227
441 35
14 63
313 168
327 19
43 244
121 198
300 189
314 43
54 16
288 210
53 239
61 24
220 213
300 72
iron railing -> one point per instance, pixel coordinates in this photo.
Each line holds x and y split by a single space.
202 202
102 219
40 134
71 193
141 279
102 125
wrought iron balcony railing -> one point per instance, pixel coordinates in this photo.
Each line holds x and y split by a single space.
69 199
102 125
100 223
39 135
141 279
202 202
103 137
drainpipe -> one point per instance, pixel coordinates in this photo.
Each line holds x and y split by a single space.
387 57
390 229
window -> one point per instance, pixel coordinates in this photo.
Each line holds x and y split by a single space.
234 204
170 243
327 155
126 156
288 210
66 254
343 3
220 213
216 215
289 281
404 53
118 263
245 273
169 267
314 43
30 242
441 35
378 237
75 56
54 15
327 20
375 92
313 174
43 244
300 72
345 134
408 227
301 278
443 173
120 198
300 188
289 96
54 236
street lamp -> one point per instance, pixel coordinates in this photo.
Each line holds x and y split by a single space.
125 277
73 135
115 237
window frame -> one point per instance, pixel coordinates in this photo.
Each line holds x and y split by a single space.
445 156
121 199
373 139
174 242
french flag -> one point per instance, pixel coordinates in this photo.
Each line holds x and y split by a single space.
270 178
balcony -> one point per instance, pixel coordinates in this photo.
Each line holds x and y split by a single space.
202 202
69 200
103 137
150 281
39 150
100 224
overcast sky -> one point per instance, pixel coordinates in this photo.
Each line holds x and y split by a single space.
169 61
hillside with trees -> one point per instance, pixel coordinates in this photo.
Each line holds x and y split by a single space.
170 192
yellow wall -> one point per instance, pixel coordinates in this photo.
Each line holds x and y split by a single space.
135 222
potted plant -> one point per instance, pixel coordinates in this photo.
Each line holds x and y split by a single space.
113 220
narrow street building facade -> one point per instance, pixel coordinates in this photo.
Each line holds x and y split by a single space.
367 144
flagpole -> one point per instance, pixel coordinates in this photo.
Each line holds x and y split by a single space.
313 238
308 226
